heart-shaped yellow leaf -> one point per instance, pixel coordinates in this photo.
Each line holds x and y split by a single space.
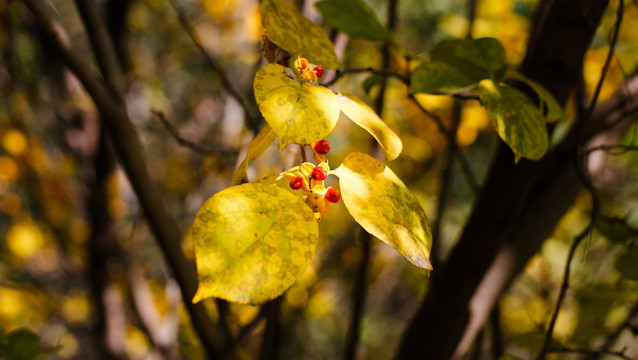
252 242
378 200
361 114
298 113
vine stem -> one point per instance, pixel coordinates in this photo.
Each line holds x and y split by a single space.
583 174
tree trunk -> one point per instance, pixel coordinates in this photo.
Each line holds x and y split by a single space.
519 205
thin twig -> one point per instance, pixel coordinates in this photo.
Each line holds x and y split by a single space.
613 149
566 350
358 296
465 165
584 176
126 142
103 47
384 73
187 143
610 54
249 110
565 283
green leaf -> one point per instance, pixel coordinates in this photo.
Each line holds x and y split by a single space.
615 229
438 77
627 264
252 242
260 143
297 113
20 344
371 81
554 110
516 120
476 58
292 32
383 205
353 17
361 114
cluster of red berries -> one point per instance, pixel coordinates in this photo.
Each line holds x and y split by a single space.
318 173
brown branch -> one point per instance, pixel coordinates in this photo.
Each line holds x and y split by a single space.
584 176
591 353
358 298
187 143
610 54
127 145
385 73
622 106
613 149
465 165
250 112
102 46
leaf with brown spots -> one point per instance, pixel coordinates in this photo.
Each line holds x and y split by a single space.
378 200
297 113
252 242
292 32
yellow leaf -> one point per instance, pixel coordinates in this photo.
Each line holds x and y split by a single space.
378 200
252 242
361 114
260 143
292 32
297 113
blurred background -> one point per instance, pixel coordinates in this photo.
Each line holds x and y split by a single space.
72 232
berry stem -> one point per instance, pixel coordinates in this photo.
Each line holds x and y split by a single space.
304 157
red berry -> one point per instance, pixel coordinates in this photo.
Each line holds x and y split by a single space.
322 146
296 183
318 70
332 195
319 173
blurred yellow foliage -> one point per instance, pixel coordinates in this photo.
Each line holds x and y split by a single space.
24 239
473 119
453 24
137 344
8 169
221 10
69 346
244 313
12 304
614 78
10 204
79 231
75 307
15 142
297 296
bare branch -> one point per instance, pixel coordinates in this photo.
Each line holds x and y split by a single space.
102 46
584 176
187 143
127 144
384 73
465 165
613 149
610 54
250 112
592 353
